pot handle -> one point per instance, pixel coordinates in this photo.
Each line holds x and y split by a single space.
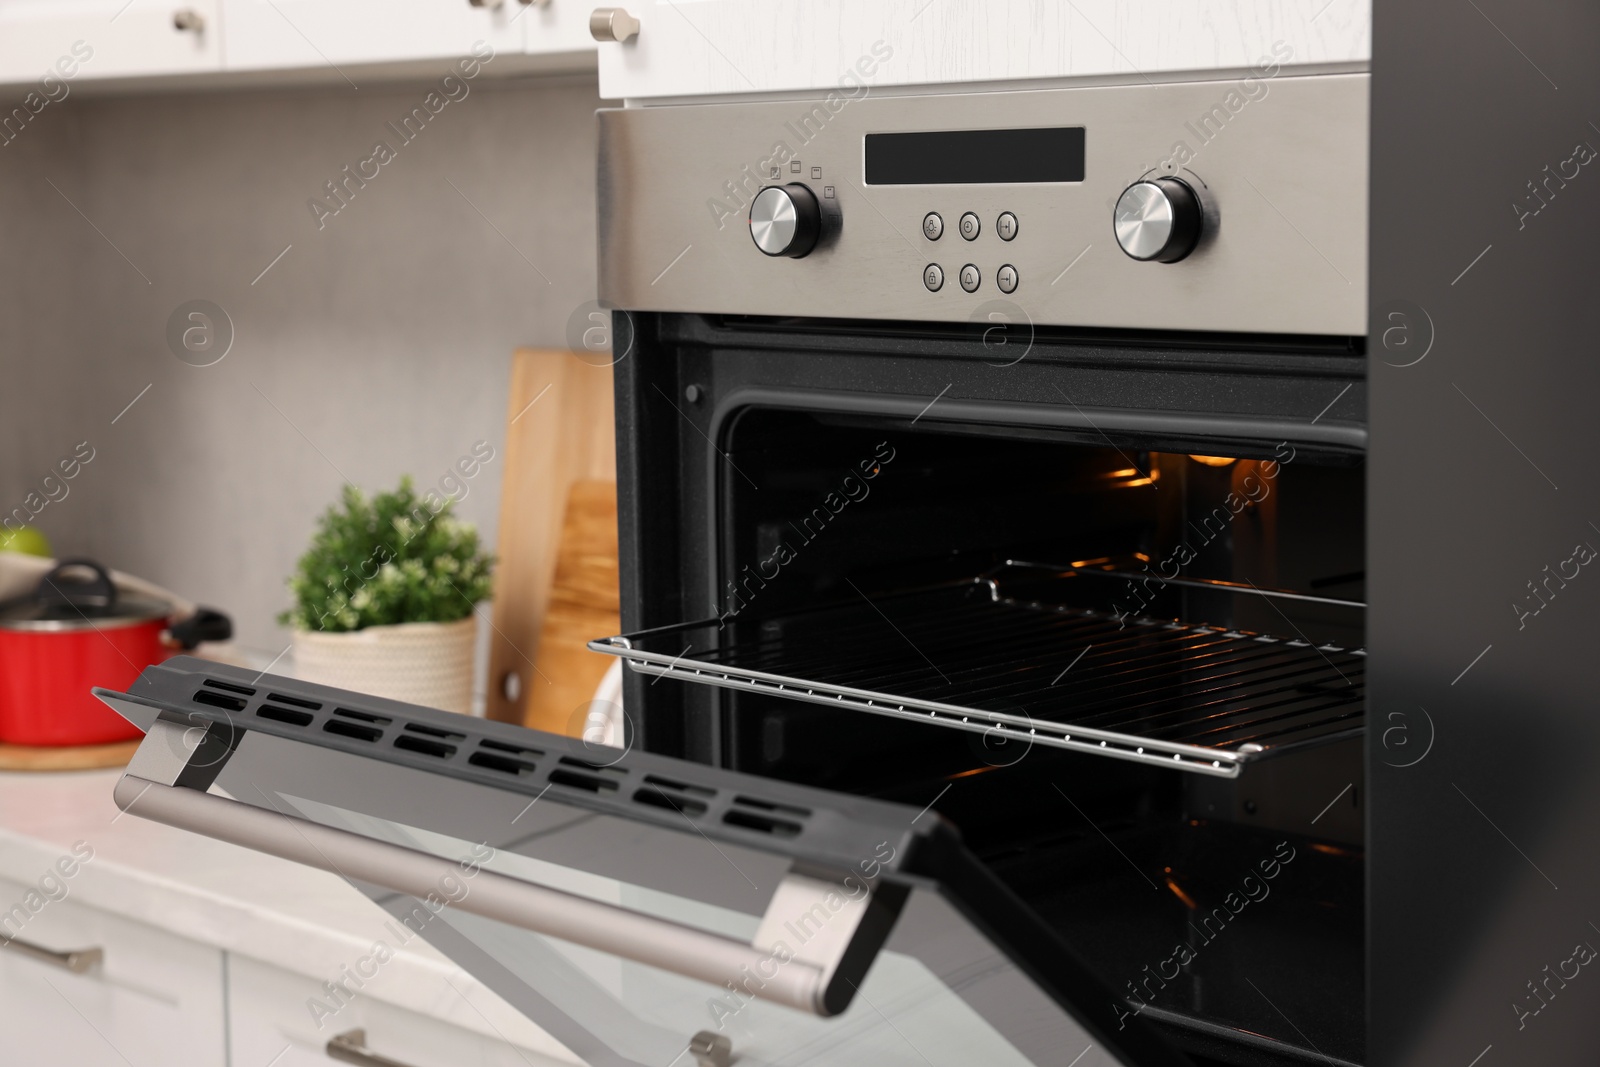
55 587
206 624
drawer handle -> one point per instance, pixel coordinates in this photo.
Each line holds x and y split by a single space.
76 960
612 24
351 1047
188 20
817 979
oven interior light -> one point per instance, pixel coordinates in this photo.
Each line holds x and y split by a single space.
1214 461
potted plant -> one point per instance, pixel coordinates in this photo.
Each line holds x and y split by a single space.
384 598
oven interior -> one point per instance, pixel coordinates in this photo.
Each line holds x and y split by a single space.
1229 910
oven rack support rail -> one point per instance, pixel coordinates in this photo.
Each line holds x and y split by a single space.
1333 716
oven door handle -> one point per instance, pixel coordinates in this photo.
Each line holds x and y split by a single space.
815 986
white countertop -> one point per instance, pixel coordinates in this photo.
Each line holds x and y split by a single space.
303 920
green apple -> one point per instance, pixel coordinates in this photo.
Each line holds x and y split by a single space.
29 540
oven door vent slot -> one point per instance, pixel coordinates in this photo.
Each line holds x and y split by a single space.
1016 654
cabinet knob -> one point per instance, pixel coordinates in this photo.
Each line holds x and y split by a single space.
613 24
189 20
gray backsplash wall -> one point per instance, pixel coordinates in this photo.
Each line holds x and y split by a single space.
377 345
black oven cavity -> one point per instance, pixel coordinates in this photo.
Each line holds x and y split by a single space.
1103 609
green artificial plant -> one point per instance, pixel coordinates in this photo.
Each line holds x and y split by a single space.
392 558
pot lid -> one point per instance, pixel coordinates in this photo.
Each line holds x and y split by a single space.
76 595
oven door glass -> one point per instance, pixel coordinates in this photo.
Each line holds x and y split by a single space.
941 990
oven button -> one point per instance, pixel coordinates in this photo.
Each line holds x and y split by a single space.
1158 220
933 277
1006 226
970 278
970 226
1006 278
932 226
785 220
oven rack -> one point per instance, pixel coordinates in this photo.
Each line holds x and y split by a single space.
998 656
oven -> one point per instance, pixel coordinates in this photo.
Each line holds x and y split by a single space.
993 500
1025 482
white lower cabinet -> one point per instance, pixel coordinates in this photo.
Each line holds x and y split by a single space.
153 1000
273 1019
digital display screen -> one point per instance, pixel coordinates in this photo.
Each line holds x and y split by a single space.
975 157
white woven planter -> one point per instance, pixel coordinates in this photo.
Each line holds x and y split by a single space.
427 663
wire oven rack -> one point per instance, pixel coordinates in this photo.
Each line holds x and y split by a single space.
998 656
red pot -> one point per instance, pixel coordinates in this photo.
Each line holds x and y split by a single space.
76 631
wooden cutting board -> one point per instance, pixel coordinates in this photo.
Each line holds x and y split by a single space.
559 431
585 603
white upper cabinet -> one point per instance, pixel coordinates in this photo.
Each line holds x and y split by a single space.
684 48
317 40
336 34
71 40
559 27
696 47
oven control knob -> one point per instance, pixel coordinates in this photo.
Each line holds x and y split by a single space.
1158 220
785 220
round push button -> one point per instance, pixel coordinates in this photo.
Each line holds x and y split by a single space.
1006 278
970 226
970 278
932 226
933 277
1006 226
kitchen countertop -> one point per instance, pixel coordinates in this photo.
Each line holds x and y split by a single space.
303 920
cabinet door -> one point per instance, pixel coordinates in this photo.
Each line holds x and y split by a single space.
94 39
557 27
745 46
285 34
271 1021
152 1000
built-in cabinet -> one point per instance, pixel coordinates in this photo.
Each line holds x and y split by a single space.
288 34
687 49
327 40
81 986
287 1020
84 987
54 45
748 46
285 34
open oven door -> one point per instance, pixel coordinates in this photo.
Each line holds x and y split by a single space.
641 910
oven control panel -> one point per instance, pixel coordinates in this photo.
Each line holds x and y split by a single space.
970 276
1215 205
